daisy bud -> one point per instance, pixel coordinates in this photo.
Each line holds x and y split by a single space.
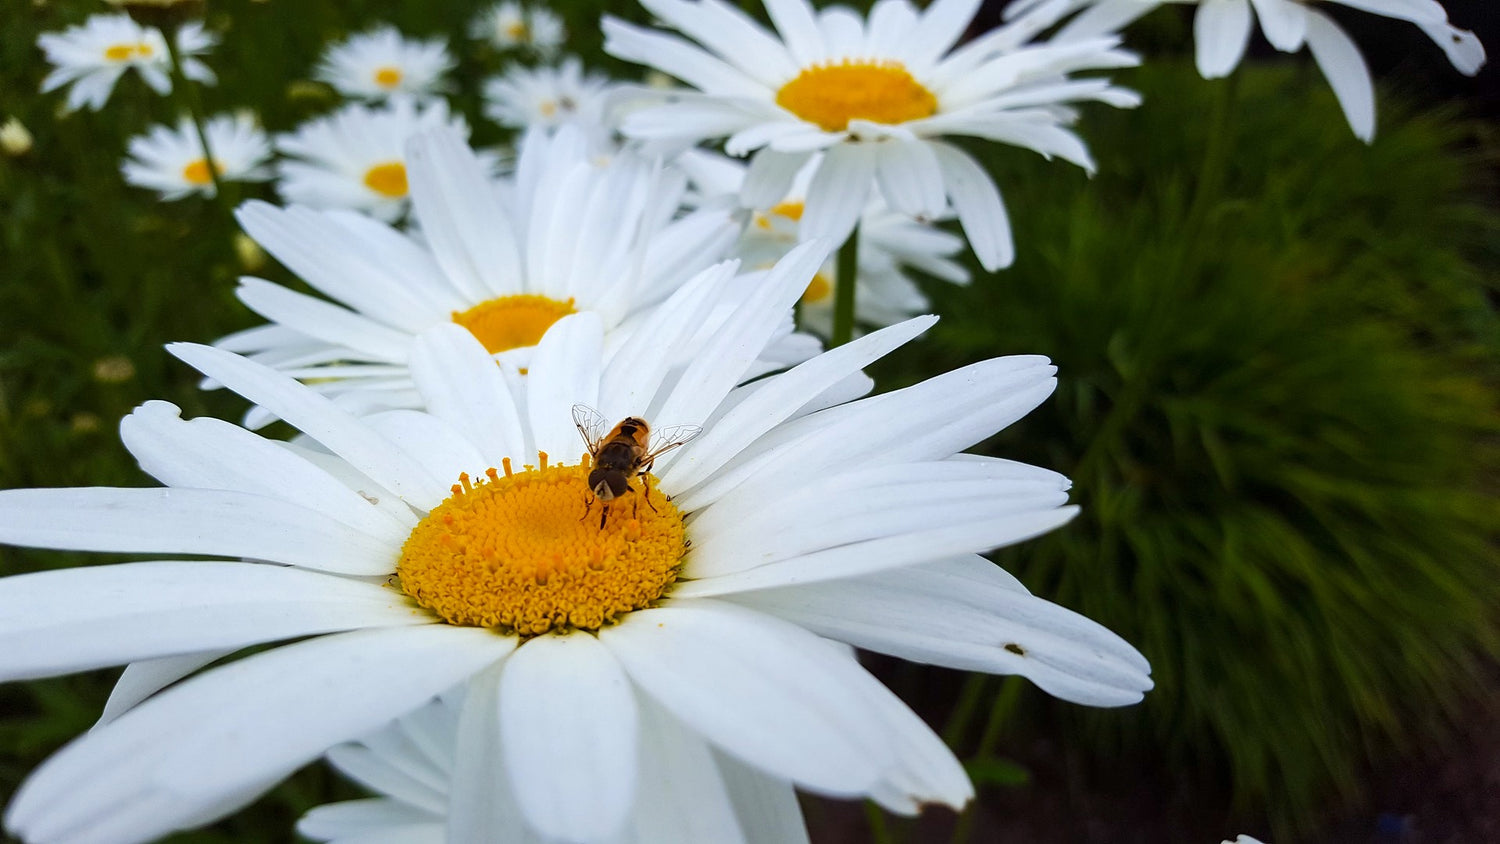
15 139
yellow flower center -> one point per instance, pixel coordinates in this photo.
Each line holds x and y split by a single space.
388 77
548 108
818 290
196 172
524 552
833 94
512 322
516 30
125 52
387 179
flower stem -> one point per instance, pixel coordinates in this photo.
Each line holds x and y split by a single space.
188 96
846 272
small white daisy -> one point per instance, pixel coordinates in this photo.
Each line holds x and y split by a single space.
1222 30
691 793
889 243
876 95
171 160
380 63
410 552
512 26
506 260
550 97
356 157
94 55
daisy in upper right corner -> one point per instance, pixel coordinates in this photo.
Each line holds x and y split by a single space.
878 96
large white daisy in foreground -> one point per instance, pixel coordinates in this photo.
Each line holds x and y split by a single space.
687 791
1222 29
568 234
381 63
876 95
412 552
171 161
93 57
356 157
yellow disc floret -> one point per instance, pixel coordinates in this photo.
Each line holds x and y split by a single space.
196 172
388 76
387 179
831 95
524 552
512 322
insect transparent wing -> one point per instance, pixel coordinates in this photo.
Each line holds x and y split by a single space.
592 426
666 439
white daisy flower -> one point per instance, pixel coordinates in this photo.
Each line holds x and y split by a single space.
171 161
511 26
1222 30
889 243
380 63
877 95
92 57
506 261
411 552
691 793
356 157
550 97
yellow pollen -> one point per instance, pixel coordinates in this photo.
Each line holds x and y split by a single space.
818 290
789 210
833 94
387 179
196 172
523 552
144 50
388 77
123 52
512 322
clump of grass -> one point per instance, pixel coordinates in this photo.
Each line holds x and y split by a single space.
1277 359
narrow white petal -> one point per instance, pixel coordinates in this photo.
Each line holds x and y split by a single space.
910 179
980 210
843 31
568 725
798 27
730 33
838 192
462 218
682 795
67 620
363 766
677 57
564 372
217 523
324 320
318 417
441 448
342 821
145 678
769 177
1463 48
481 800
178 759
1221 30
1416 11
1340 61
765 691
767 805
1283 21
463 387
941 25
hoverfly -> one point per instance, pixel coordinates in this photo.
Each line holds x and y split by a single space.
627 451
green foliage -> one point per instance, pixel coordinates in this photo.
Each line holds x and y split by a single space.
1276 364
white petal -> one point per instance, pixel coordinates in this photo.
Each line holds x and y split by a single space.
1283 21
769 177
1340 61
179 758
440 447
966 615
463 387
838 192
481 801
324 320
1463 48
67 620
980 210
145 678
564 372
358 763
188 521
1416 11
910 179
1222 30
767 805
682 795
462 218
371 816
942 23
318 417
765 691
798 26
569 729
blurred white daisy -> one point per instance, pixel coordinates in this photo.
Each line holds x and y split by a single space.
171 161
380 63
889 244
1222 30
512 26
876 95
356 157
691 793
410 552
569 233
549 97
93 56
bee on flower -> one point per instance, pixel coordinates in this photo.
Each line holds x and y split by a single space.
92 57
170 160
382 63
512 26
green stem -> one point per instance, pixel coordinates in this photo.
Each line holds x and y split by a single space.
846 272
994 726
187 94
963 711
